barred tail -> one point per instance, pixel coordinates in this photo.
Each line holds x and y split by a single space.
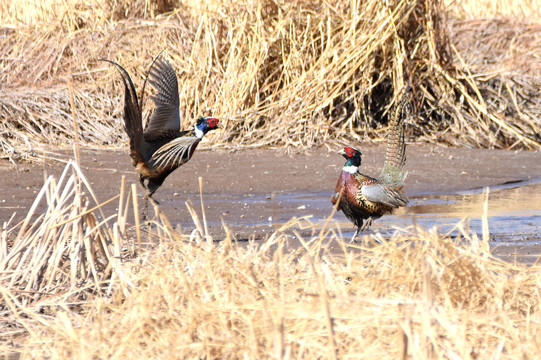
133 118
395 157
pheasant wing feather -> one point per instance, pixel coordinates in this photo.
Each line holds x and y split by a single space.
166 115
384 194
175 153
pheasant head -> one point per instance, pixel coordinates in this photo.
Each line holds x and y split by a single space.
353 159
204 125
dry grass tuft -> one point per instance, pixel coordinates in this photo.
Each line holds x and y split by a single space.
504 46
418 294
49 120
518 9
61 255
286 74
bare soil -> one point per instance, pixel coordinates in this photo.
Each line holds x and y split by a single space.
253 191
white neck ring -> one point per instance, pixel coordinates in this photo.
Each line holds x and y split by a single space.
198 133
350 169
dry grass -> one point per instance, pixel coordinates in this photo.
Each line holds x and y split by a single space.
60 256
472 9
79 282
285 74
70 290
499 45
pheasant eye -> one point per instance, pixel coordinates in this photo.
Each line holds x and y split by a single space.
213 122
349 151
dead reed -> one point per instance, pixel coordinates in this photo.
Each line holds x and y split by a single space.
62 254
285 74
68 289
518 9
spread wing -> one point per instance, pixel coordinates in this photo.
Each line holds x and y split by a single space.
175 153
384 194
166 115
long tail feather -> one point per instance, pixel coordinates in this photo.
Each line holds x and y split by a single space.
395 157
133 118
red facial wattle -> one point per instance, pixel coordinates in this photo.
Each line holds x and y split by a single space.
213 122
349 151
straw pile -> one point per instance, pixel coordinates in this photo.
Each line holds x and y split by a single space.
285 74
67 293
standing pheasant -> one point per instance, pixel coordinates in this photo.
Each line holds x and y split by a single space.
161 148
363 198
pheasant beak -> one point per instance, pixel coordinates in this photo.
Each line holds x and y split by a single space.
341 152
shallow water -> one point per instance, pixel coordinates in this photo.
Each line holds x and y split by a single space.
254 192
514 211
514 216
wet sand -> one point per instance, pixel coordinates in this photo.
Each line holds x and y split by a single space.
252 191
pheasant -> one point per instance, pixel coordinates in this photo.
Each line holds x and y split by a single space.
161 148
363 198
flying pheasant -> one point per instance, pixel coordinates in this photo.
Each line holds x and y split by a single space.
161 148
363 198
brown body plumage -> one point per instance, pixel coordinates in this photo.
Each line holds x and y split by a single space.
363 198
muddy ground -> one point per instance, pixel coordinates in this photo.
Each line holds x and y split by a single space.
253 191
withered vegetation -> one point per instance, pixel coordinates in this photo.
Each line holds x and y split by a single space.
79 282
291 74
